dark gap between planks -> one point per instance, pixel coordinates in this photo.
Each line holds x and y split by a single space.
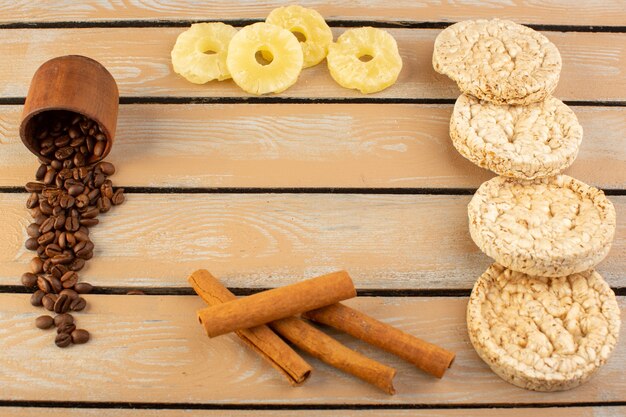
376 406
242 291
403 24
307 100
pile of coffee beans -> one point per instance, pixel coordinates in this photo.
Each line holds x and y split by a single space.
69 194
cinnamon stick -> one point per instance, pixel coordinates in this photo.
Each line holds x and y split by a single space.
261 339
308 338
430 358
323 347
278 303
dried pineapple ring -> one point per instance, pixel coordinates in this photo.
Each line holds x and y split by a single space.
199 54
278 44
350 64
307 24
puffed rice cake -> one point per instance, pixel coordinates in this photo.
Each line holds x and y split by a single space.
498 61
528 142
548 227
543 334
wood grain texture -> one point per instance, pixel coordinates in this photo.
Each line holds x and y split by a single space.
268 240
151 349
479 412
318 145
594 64
607 12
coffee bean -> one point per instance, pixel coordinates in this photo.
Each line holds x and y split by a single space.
72 224
34 187
118 197
63 258
47 225
89 222
107 168
36 298
45 207
41 171
50 176
107 189
93 195
69 279
90 213
62 141
63 340
75 190
47 265
80 336
81 236
53 250
76 265
62 305
46 238
59 222
43 284
104 204
73 133
82 201
33 201
70 293
56 165
65 318
48 302
83 248
64 153
58 271
98 148
66 327
44 322
78 304
33 230
31 244
79 159
29 280
36 265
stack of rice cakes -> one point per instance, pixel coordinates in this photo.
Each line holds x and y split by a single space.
540 316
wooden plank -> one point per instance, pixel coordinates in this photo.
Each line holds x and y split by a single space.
267 240
479 412
151 349
319 145
608 12
139 59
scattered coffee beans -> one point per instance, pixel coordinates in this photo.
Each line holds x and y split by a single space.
69 193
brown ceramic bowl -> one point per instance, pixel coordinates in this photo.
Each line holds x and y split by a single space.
72 83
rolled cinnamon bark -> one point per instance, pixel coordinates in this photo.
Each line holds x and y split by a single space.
318 344
261 339
428 357
278 303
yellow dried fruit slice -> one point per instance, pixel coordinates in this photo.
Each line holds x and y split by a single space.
199 54
256 75
308 26
366 59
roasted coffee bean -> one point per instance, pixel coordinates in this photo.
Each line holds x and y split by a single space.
89 222
57 211
107 168
66 327
88 255
98 148
53 250
34 187
62 259
75 190
65 174
36 265
78 304
67 201
90 142
33 230
104 204
46 151
36 298
62 305
99 180
81 249
57 287
80 336
93 195
31 244
48 302
59 222
41 252
44 322
39 219
58 270
118 197
47 265
90 213
63 340
82 201
107 189
44 285
62 242
56 165
62 141
47 225
73 132
41 172
76 265
33 201
79 159
65 318
29 280
50 176
70 239
72 224
81 236
45 207
64 153
69 279
70 293
46 238
77 142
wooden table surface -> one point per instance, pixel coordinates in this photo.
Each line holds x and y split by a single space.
266 191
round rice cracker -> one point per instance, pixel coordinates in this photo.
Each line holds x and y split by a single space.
527 142
498 61
543 334
548 227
